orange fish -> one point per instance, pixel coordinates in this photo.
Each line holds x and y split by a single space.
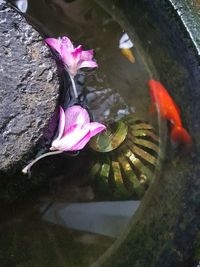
169 111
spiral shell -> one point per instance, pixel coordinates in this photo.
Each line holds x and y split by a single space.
125 158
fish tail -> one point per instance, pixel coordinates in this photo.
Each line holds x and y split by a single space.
180 135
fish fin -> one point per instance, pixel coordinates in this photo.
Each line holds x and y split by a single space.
128 54
180 135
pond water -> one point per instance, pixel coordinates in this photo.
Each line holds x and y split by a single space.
114 91
116 78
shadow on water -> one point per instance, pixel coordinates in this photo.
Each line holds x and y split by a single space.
116 89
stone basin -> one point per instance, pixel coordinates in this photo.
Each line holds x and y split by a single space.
165 227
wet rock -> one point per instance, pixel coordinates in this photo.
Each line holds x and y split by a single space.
29 89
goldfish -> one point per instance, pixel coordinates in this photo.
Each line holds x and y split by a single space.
168 110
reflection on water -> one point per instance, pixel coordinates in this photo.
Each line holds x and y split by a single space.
117 89
109 101
86 23
107 218
26 240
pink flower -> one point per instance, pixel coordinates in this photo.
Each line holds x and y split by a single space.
75 129
73 58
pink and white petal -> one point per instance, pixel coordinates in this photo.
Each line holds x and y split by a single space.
95 128
71 138
82 143
76 115
67 42
72 70
66 56
54 43
76 54
87 55
87 64
61 125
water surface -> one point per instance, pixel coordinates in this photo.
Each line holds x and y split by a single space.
116 89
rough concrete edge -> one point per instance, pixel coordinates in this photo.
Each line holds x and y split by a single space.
15 168
190 19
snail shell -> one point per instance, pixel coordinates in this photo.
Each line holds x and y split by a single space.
125 157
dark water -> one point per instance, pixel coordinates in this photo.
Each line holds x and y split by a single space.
116 89
116 78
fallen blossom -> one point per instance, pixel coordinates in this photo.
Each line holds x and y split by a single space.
75 129
74 58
